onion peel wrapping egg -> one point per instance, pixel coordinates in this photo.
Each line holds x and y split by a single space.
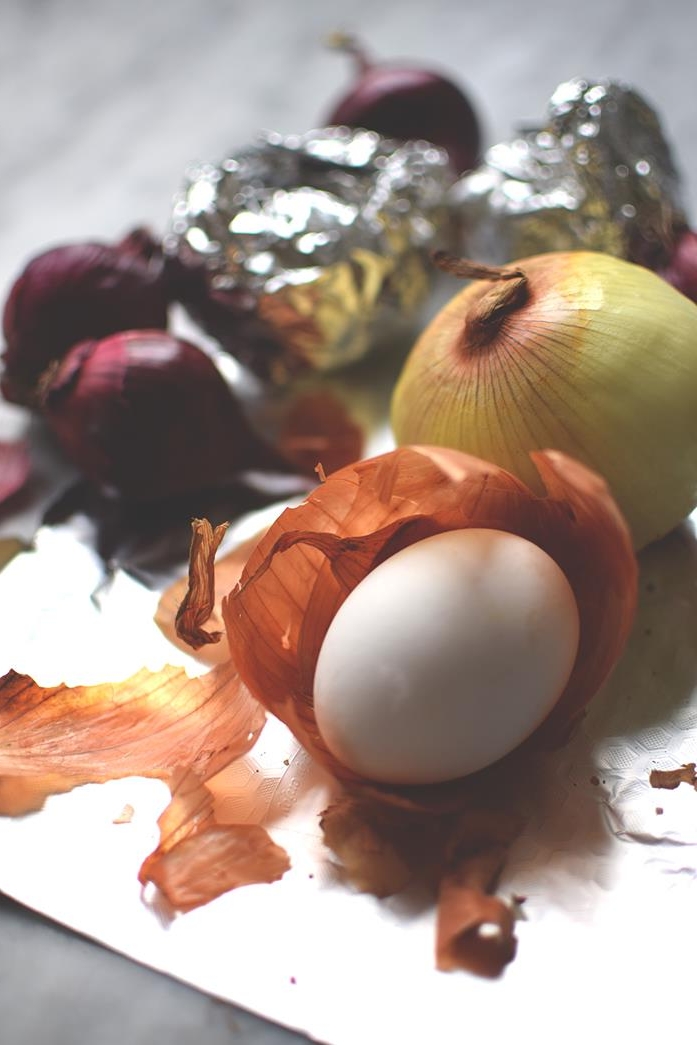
314 555
445 657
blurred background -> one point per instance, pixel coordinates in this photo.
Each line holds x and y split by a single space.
102 106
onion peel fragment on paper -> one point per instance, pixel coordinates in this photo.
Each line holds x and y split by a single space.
383 849
198 859
211 586
162 725
670 779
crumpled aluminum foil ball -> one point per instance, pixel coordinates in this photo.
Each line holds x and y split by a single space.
314 248
597 174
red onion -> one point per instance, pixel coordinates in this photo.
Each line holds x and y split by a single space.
147 415
78 291
681 270
407 102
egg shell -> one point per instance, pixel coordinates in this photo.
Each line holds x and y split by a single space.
445 657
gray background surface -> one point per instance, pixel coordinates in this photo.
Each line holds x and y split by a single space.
102 104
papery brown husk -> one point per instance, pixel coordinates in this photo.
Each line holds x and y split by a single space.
191 601
460 854
670 779
304 567
155 724
151 724
198 858
300 573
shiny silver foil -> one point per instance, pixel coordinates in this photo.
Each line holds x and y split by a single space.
327 234
596 175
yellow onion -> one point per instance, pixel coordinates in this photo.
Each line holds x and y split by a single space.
579 351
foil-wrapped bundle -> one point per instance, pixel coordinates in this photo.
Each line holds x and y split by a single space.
596 175
304 253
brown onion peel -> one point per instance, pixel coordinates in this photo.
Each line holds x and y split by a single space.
149 725
198 859
199 601
474 930
204 865
215 584
670 779
161 725
456 834
357 834
384 848
319 431
303 568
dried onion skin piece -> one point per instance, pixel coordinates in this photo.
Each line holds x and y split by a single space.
169 615
382 849
154 724
199 601
198 858
55 738
474 930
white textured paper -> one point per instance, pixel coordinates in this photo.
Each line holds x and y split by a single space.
606 946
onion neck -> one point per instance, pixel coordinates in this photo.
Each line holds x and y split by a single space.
510 291
349 44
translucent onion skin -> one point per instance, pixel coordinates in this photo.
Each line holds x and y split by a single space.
598 360
306 564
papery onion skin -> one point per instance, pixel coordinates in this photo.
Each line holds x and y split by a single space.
58 737
598 361
309 560
78 291
163 725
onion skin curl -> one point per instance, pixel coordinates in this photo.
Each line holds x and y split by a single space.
305 565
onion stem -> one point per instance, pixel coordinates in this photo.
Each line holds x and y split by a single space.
509 293
349 44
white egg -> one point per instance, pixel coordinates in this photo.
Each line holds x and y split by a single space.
445 657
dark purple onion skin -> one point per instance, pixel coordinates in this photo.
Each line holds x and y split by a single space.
74 292
147 416
404 102
681 270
